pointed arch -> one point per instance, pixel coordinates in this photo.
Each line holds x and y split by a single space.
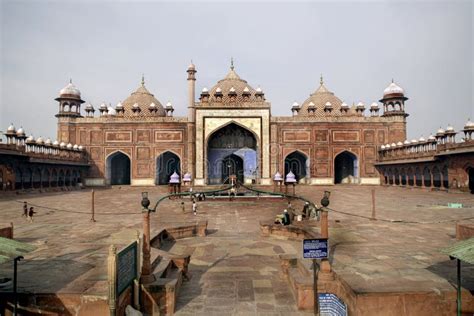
297 162
346 167
166 163
118 168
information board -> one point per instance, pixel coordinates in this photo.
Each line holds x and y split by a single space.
331 305
315 248
126 267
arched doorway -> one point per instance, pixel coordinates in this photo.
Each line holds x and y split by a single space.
345 168
118 169
470 173
427 177
236 144
232 165
298 163
166 164
436 177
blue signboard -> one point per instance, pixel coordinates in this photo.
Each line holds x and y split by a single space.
315 248
331 305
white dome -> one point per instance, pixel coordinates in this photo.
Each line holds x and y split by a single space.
393 145
69 146
246 89
103 106
119 106
393 88
111 111
11 128
406 142
218 90
62 145
296 105
311 104
30 139
48 142
40 140
328 105
440 131
70 89
421 139
344 105
387 146
20 132
191 66
135 106
399 144
55 143
360 105
75 147
169 105
449 128
382 147
80 147
205 90
414 141
431 137
374 105
259 89
232 89
89 107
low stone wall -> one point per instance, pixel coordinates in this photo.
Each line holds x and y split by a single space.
55 304
464 231
6 230
177 232
369 304
293 231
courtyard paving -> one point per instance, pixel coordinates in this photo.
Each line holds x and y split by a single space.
234 270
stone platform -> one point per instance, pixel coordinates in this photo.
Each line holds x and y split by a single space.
234 269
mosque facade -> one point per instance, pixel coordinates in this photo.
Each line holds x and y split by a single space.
229 129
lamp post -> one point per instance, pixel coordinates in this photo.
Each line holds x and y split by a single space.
146 276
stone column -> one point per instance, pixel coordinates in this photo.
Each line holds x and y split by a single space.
191 137
111 275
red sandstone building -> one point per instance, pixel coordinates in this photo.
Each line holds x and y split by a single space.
230 130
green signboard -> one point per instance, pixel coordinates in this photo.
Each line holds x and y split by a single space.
126 267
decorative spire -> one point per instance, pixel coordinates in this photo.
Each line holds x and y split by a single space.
321 81
143 79
392 80
232 63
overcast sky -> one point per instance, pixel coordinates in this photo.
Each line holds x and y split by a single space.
427 47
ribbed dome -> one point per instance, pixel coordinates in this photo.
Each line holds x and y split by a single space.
70 90
143 98
20 132
322 98
235 86
393 88
11 129
469 125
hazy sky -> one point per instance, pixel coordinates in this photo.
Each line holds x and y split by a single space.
104 46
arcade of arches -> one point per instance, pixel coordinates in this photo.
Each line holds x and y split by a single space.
232 149
29 177
431 176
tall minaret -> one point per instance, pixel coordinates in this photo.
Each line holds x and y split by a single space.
191 92
191 126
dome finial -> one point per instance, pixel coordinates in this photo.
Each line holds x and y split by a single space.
392 80
143 79
70 80
231 63
321 81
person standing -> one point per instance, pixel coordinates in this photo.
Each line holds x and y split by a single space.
30 214
194 207
25 209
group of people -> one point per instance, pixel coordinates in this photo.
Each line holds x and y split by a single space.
28 213
309 212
